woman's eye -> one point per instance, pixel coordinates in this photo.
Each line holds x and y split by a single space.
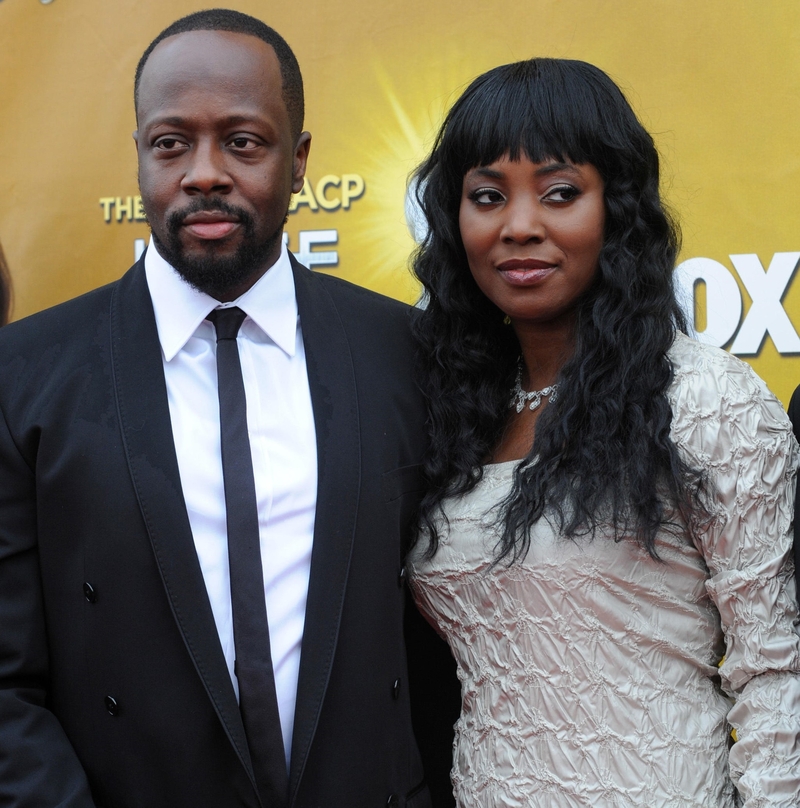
562 193
486 196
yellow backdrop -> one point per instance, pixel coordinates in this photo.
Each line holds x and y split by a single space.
717 82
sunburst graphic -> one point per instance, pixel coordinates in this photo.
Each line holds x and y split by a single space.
399 139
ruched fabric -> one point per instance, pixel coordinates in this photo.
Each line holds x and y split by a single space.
594 676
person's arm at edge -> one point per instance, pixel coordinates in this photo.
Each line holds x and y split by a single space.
38 766
794 417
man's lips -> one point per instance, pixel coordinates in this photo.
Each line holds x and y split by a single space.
210 225
525 271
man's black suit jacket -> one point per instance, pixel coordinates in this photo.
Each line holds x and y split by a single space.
113 686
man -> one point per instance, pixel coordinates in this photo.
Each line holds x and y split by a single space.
794 417
201 584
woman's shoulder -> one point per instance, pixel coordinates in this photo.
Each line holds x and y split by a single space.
713 392
691 358
700 370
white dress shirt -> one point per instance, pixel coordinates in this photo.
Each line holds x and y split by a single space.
282 441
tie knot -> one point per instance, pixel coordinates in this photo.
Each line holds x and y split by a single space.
227 322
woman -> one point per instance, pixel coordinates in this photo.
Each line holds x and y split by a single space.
605 541
5 289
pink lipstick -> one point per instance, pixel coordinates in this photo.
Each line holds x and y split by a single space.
526 271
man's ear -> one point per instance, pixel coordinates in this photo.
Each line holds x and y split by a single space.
300 161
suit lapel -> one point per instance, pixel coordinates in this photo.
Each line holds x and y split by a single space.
332 382
141 396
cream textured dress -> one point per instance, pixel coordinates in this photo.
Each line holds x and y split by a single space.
591 674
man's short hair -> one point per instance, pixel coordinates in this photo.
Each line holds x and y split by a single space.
223 19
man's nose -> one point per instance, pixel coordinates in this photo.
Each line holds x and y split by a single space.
207 172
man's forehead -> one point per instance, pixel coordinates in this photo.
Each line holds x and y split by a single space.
210 51
198 58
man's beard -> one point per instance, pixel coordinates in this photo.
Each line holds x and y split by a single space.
216 275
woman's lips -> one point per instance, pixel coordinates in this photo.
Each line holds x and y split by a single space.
525 271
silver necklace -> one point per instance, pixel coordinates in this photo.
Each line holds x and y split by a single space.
520 397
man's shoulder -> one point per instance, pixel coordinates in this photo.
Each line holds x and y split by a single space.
378 329
358 306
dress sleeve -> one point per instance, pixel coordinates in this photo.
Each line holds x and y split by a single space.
733 427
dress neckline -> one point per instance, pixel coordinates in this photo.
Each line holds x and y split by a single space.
501 467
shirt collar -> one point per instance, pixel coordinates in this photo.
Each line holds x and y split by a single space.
180 308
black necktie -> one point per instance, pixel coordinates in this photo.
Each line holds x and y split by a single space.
257 700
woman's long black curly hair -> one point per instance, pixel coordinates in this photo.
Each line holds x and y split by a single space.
602 453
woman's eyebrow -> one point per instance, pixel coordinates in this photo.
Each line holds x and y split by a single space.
551 168
548 168
485 171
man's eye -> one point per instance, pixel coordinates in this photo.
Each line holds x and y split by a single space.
167 143
243 143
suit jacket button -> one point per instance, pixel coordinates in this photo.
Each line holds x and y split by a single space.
90 593
396 689
393 801
401 578
111 705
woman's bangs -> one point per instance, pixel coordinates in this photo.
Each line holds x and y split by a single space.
520 118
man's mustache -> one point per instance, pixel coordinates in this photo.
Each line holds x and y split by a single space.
212 203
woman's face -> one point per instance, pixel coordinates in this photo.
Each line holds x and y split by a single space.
532 233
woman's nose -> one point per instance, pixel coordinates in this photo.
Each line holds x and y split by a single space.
523 222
